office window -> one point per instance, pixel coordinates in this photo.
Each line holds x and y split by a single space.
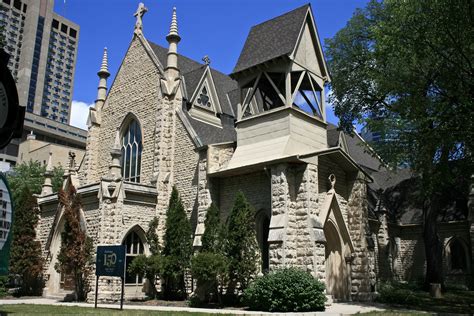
17 4
55 24
72 33
64 28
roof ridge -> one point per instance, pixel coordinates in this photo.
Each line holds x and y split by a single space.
281 15
191 60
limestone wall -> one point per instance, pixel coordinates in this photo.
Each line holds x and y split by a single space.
406 250
255 186
327 167
186 168
136 90
363 276
219 156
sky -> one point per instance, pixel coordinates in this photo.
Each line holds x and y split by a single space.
217 28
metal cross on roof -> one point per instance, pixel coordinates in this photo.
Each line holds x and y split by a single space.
206 60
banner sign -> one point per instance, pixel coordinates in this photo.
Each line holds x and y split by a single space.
6 219
110 261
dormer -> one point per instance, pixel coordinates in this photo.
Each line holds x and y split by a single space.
281 74
204 102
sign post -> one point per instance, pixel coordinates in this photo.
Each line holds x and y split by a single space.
110 261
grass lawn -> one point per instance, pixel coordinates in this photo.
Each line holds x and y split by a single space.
453 301
30 309
394 313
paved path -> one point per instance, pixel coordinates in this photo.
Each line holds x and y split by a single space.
334 309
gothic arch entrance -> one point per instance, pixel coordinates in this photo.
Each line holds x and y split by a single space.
337 271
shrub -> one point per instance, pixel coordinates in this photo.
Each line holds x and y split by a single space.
149 267
209 269
3 286
286 290
397 293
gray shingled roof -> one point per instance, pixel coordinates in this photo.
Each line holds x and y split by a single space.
356 148
192 72
271 39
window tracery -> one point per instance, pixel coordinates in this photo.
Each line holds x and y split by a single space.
132 152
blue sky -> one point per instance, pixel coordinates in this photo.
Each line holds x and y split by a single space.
216 28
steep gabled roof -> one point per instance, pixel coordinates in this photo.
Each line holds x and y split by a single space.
192 72
271 39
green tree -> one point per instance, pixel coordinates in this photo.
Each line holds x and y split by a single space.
25 181
209 266
212 239
405 69
25 256
75 256
241 243
30 176
150 266
178 247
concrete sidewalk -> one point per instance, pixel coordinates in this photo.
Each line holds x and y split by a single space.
334 309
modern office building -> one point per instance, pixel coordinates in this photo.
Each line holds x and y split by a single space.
43 49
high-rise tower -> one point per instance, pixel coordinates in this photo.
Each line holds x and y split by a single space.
43 49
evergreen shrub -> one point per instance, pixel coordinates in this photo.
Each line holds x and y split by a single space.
286 290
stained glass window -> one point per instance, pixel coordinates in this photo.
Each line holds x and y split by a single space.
132 152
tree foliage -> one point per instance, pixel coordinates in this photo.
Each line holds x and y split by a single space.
241 242
149 267
25 257
177 249
75 256
406 69
30 176
213 237
209 266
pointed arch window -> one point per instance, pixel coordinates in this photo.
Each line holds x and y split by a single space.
134 248
132 152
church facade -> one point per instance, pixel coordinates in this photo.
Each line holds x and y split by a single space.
170 121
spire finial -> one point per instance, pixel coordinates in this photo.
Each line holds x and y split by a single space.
141 10
49 166
104 67
47 187
115 169
117 145
173 34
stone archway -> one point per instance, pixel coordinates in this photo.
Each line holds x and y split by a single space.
337 272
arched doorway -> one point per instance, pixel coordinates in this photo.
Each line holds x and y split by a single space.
337 272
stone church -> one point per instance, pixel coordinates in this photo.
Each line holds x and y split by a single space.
167 120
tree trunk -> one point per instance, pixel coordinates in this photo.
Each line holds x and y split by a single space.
433 249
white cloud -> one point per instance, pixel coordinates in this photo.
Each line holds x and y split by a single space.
79 114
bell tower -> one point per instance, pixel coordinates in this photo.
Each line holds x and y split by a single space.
282 75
